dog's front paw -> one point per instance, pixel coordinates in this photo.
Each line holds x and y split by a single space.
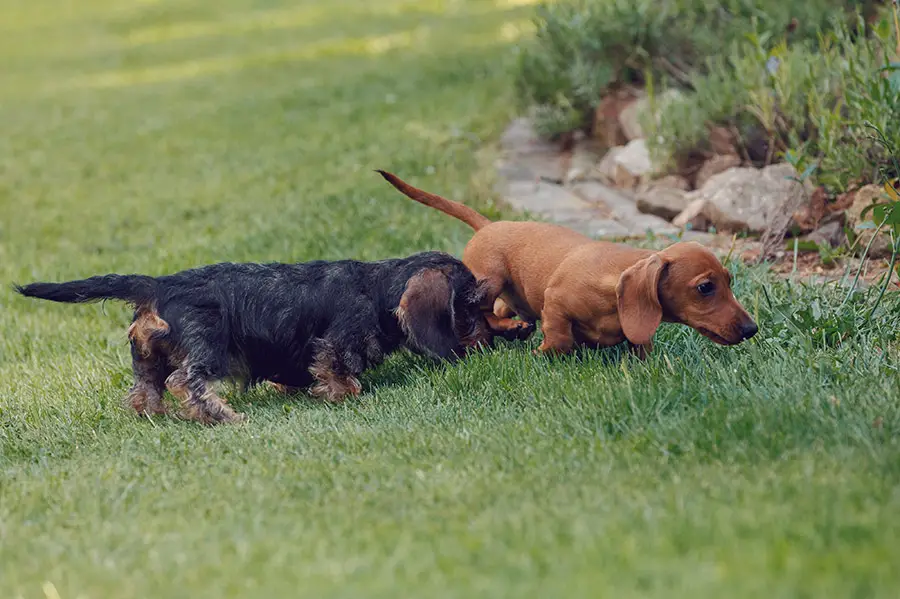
519 332
525 331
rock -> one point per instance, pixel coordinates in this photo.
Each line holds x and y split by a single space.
633 164
722 141
630 119
606 127
634 113
545 199
863 197
810 214
623 209
585 157
864 226
693 217
519 134
673 182
605 170
715 165
830 233
530 167
602 229
527 157
701 237
747 199
664 202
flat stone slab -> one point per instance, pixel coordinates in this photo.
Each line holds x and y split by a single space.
527 157
623 209
543 198
530 176
601 228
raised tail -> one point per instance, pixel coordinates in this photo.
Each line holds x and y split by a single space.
454 209
135 289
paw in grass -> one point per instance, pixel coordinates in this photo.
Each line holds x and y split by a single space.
520 332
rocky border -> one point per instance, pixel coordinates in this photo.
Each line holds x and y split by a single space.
608 187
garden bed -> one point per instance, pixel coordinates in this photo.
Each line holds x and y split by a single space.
768 119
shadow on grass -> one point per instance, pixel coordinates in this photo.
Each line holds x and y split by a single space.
399 369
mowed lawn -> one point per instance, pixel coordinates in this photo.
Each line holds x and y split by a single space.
158 135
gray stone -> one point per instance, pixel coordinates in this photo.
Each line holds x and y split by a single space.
633 164
693 217
672 182
701 237
605 170
563 207
598 228
615 200
606 229
622 208
584 160
714 166
631 118
533 166
830 234
520 134
664 202
544 199
864 226
647 223
526 156
529 168
747 199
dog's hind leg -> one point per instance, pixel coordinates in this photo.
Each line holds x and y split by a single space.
199 400
148 362
146 395
556 326
204 342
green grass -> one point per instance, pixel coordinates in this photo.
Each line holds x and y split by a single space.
154 136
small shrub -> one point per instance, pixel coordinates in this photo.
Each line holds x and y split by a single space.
814 102
582 48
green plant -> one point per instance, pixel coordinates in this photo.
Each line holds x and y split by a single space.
581 48
886 213
584 47
805 103
807 316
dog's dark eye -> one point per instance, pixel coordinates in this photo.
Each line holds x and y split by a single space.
706 288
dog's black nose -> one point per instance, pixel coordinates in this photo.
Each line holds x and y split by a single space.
748 329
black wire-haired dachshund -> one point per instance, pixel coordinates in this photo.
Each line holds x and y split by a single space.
318 324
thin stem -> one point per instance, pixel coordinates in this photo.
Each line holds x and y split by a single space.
794 269
895 245
896 25
881 139
862 262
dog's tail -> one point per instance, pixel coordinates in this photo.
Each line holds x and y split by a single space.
134 289
454 209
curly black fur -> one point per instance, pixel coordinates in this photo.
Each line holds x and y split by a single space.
316 323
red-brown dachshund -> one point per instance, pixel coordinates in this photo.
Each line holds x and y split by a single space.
591 292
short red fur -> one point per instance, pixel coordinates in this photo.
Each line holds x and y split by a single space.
588 292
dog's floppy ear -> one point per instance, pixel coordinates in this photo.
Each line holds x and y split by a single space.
637 300
426 314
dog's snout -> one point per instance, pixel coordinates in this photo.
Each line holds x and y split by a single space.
749 329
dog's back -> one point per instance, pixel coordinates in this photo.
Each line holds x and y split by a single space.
524 253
